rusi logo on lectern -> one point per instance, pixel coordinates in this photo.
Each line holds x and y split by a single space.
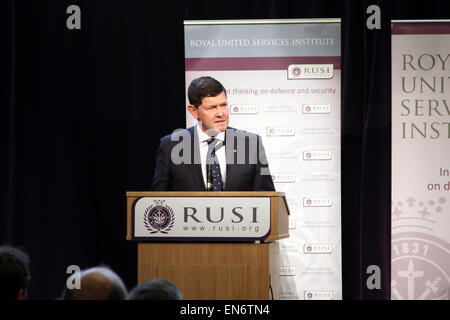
201 218
310 71
159 218
191 214
317 202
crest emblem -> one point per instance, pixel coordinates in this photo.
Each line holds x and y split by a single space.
159 217
419 258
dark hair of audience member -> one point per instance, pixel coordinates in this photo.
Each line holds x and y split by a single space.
14 273
156 289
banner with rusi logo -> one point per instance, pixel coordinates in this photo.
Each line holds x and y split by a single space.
283 80
420 265
201 219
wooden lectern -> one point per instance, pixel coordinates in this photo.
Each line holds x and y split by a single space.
223 269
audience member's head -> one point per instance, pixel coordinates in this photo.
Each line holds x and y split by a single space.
156 289
98 283
14 273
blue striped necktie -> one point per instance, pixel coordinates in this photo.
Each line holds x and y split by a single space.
211 159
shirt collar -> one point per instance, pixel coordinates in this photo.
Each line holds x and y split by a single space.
202 136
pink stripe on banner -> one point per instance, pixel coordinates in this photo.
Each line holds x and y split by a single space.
252 63
421 28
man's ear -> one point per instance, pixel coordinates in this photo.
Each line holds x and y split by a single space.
193 110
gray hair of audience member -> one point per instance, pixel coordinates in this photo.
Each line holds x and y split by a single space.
156 289
14 273
97 283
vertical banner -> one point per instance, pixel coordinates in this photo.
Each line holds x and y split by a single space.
420 265
283 82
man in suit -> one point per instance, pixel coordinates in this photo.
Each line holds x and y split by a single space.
210 155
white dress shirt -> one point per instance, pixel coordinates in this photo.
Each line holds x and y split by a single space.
203 143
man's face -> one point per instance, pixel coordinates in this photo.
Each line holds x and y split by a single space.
213 113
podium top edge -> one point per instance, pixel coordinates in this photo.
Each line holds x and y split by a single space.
262 21
204 194
420 21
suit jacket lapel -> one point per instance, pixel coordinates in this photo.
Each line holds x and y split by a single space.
230 159
196 172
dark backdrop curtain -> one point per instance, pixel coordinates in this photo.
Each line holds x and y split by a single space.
81 114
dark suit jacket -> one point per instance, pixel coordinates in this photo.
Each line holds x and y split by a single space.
178 165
